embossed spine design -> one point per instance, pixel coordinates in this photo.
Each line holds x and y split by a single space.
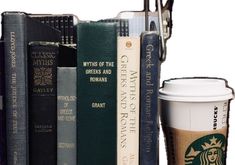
43 58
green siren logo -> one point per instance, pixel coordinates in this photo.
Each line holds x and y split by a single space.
208 150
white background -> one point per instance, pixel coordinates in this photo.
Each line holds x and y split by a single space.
202 44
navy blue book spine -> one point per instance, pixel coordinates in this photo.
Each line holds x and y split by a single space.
15 86
2 110
149 84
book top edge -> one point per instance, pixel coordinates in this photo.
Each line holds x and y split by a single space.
54 15
149 33
13 13
42 43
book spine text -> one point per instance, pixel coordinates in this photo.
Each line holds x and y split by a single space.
66 115
15 87
43 103
128 100
149 83
97 108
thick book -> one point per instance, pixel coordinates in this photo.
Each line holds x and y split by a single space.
128 73
149 85
42 73
18 30
2 109
67 106
97 96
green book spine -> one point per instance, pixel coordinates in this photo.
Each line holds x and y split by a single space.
97 96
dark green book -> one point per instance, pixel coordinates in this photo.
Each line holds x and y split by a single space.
97 77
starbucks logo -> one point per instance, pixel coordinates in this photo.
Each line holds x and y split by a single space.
208 150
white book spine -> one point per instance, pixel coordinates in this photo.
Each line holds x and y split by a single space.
128 100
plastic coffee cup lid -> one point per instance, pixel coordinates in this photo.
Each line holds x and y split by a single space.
196 90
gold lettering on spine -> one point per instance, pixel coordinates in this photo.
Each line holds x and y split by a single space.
66 145
65 113
98 105
42 63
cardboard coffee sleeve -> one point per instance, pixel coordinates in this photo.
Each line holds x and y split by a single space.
195 147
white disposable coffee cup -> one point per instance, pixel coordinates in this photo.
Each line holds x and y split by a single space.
194 115
195 104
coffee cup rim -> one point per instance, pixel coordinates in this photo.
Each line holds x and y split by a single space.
196 89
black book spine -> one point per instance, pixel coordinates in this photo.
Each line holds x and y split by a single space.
71 30
14 27
61 28
42 20
122 28
52 21
66 29
47 21
2 109
43 62
149 85
57 23
126 23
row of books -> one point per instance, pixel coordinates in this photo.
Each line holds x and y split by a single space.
77 92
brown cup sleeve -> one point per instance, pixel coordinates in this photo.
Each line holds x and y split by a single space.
195 147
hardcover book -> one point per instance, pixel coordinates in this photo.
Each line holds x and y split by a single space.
18 30
65 23
72 30
61 28
149 85
66 116
128 72
43 62
67 106
2 109
122 26
97 96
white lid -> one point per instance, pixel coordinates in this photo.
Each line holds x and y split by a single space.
196 90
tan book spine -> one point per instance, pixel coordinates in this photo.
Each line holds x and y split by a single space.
128 100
